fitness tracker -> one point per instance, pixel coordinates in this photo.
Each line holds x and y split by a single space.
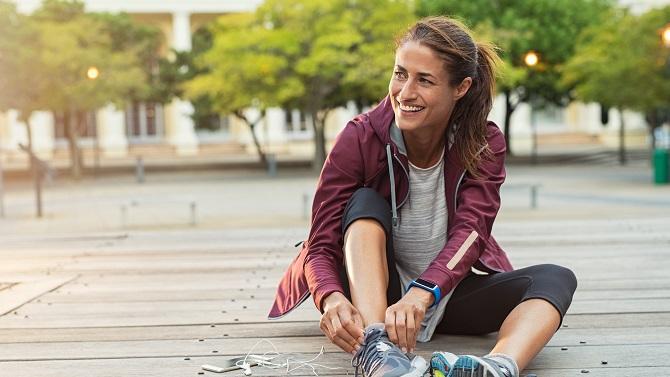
428 286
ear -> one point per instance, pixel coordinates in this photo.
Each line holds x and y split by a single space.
463 87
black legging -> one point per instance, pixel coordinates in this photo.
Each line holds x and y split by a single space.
480 303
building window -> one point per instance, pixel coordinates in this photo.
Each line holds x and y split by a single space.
86 128
144 122
298 124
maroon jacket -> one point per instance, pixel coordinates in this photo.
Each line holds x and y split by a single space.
370 152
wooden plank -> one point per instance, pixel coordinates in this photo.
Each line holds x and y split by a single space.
269 329
178 367
613 320
648 358
18 294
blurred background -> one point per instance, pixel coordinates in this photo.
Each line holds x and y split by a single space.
100 94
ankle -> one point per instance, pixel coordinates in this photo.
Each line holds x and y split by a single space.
505 360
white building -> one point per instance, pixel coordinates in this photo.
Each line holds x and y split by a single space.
119 133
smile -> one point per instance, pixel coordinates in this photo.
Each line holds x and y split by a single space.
410 108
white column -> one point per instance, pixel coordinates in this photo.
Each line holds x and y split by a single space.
275 123
41 127
111 132
521 131
180 129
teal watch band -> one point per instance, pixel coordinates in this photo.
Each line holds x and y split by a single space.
428 286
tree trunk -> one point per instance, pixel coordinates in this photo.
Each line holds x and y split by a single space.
25 118
71 127
509 109
252 128
622 138
319 140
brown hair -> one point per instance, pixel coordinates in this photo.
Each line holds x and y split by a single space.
451 40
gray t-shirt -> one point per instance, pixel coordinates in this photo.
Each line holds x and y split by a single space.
421 234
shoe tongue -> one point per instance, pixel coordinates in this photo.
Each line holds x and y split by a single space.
375 326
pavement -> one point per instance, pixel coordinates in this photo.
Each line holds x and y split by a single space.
249 198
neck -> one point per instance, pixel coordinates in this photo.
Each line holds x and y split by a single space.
424 150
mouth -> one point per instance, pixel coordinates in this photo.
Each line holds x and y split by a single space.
404 107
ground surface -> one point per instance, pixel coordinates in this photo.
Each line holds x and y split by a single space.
94 289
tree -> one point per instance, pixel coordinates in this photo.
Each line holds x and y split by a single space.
549 27
242 70
21 77
72 44
305 54
622 64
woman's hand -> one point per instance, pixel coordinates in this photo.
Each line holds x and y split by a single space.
403 319
341 322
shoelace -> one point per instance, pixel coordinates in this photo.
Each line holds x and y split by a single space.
369 358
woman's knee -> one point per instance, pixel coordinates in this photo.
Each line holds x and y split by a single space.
558 275
367 204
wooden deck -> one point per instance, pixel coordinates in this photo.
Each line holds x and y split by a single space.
164 303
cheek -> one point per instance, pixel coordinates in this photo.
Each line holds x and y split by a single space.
394 86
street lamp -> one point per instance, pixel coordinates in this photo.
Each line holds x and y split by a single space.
92 73
531 59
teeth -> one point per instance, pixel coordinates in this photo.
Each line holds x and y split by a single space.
409 108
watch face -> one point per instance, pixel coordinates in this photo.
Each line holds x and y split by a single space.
426 283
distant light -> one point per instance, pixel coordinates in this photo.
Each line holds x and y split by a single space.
93 73
665 36
531 58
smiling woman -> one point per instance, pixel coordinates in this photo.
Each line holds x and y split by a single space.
405 205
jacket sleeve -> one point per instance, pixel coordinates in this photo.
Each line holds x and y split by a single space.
341 175
477 204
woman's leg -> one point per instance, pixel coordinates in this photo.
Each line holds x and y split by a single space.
367 270
525 306
368 255
526 330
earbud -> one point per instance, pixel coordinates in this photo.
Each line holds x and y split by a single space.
247 369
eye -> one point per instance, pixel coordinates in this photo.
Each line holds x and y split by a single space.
400 75
425 81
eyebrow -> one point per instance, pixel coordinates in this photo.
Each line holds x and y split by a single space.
422 74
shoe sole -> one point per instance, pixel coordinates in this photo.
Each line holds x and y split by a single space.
472 366
438 362
419 367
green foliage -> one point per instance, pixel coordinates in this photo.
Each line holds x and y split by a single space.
311 55
21 78
549 27
302 53
142 41
623 63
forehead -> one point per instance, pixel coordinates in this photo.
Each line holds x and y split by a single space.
416 57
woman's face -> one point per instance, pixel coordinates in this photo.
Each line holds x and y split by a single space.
421 95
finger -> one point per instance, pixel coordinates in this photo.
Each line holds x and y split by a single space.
411 333
354 329
341 332
401 329
346 347
389 321
358 320
326 329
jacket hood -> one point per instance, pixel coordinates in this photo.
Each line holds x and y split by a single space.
381 120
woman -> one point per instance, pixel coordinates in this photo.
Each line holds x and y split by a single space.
405 205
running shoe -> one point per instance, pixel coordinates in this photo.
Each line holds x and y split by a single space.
473 366
441 363
379 357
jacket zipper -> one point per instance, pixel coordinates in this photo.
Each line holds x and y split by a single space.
406 175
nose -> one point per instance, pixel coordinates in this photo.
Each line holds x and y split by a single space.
407 91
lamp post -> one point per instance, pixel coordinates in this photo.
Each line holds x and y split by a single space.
92 74
531 59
